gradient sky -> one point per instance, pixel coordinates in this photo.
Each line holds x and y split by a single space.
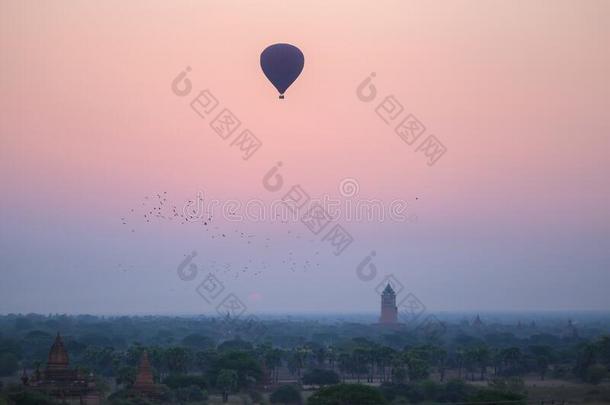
514 216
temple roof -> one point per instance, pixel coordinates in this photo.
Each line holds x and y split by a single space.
477 321
58 356
388 289
144 377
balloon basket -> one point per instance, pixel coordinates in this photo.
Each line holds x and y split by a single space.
281 96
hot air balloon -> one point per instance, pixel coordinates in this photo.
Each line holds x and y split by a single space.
282 64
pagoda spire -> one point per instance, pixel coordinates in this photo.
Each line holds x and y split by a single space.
24 377
58 356
144 378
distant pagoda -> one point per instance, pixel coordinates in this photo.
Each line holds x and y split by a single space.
144 379
389 311
58 361
570 331
477 322
61 382
144 385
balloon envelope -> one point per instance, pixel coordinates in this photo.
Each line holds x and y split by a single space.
282 64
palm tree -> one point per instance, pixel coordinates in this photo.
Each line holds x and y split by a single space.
296 361
321 355
586 357
602 352
418 366
481 355
273 359
470 361
439 359
543 356
398 371
460 358
496 360
345 364
331 356
511 357
177 359
371 356
227 382
385 355
205 358
360 360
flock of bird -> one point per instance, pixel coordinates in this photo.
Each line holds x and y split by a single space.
157 208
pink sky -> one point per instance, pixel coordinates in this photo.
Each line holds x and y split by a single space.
518 92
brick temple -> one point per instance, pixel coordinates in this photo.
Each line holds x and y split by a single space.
60 381
144 383
389 311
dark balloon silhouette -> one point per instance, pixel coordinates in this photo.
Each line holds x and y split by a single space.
282 64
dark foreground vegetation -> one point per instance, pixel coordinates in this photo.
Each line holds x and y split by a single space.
200 360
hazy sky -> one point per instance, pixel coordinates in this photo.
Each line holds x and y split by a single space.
513 216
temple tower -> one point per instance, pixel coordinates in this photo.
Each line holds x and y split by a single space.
389 311
58 361
144 379
61 382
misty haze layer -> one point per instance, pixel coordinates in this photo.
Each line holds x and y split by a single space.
92 138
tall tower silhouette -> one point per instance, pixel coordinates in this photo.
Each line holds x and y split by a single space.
389 311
